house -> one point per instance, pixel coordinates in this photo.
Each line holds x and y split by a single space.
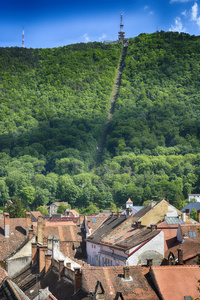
190 206
16 236
117 242
91 223
35 215
71 213
187 248
176 282
129 204
155 212
52 208
194 196
109 283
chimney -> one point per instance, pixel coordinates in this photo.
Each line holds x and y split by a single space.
187 211
184 217
149 262
45 241
68 265
28 222
6 224
88 224
42 252
41 224
56 247
112 213
128 212
180 256
47 262
30 234
78 279
81 220
126 273
138 224
34 253
198 212
153 227
61 268
50 242
119 214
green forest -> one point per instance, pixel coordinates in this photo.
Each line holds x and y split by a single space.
54 105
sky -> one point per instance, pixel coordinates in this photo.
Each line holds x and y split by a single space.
55 23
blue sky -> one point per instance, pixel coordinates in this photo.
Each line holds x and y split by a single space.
54 23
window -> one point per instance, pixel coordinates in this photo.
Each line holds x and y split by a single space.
94 220
192 234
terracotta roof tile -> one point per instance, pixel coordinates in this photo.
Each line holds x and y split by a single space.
190 249
17 235
96 221
129 201
3 274
176 282
112 280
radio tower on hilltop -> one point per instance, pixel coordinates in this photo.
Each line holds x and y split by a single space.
121 36
23 37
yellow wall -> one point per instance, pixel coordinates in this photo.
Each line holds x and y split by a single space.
158 212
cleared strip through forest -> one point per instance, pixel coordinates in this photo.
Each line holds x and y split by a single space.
113 98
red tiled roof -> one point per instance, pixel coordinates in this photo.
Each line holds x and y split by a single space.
112 281
99 220
190 249
17 235
175 282
36 214
170 234
186 228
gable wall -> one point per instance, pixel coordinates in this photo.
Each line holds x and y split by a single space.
158 212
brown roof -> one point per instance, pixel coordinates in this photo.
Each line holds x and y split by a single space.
58 203
170 234
64 232
3 274
176 282
17 236
129 238
190 249
112 281
187 228
96 221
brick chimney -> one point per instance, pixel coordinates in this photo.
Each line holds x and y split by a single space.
47 262
153 227
61 268
6 224
138 224
41 224
187 211
81 220
119 214
180 256
34 253
126 273
78 279
28 223
42 252
30 233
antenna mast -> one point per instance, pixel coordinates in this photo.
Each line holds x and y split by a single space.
23 37
121 33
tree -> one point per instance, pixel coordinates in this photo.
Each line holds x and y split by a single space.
42 209
16 210
194 214
62 208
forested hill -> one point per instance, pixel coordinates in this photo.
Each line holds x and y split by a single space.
54 105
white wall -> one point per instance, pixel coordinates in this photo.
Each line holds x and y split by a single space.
154 249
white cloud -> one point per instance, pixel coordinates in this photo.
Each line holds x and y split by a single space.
103 37
178 26
194 12
146 7
184 13
86 37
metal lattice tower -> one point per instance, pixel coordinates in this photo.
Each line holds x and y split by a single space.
23 38
121 32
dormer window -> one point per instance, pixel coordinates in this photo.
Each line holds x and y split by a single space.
192 234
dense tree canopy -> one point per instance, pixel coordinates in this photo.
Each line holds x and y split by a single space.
53 108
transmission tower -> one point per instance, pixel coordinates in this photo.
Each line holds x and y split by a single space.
23 37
